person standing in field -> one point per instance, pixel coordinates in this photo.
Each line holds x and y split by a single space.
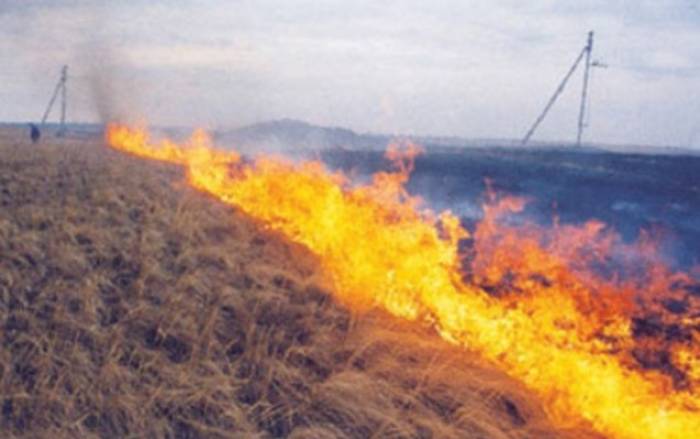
34 133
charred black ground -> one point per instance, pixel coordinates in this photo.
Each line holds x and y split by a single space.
630 192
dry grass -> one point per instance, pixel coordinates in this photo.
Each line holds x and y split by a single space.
132 306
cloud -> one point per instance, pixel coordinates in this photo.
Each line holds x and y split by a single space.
479 68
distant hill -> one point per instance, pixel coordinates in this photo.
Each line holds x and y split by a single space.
292 135
287 135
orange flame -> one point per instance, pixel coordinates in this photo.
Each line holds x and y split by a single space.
524 297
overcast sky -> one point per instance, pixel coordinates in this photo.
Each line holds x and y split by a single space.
482 68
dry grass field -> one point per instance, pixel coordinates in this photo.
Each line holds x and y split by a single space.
133 306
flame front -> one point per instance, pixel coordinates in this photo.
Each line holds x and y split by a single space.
569 334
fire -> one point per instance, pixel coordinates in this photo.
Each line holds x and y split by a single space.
599 349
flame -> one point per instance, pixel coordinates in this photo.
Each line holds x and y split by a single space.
528 299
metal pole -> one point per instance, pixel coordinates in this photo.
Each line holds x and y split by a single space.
584 93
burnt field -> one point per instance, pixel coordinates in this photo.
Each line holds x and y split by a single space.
134 306
631 193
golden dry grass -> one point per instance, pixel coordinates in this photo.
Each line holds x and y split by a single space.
133 306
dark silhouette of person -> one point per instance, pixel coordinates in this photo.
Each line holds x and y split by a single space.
34 133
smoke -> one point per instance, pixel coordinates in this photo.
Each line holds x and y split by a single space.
113 89
104 84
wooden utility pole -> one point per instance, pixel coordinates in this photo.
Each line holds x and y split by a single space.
62 88
584 93
585 54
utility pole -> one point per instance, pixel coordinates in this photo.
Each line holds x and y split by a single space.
584 93
553 99
64 91
584 54
60 87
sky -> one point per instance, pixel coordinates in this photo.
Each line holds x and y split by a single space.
469 68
